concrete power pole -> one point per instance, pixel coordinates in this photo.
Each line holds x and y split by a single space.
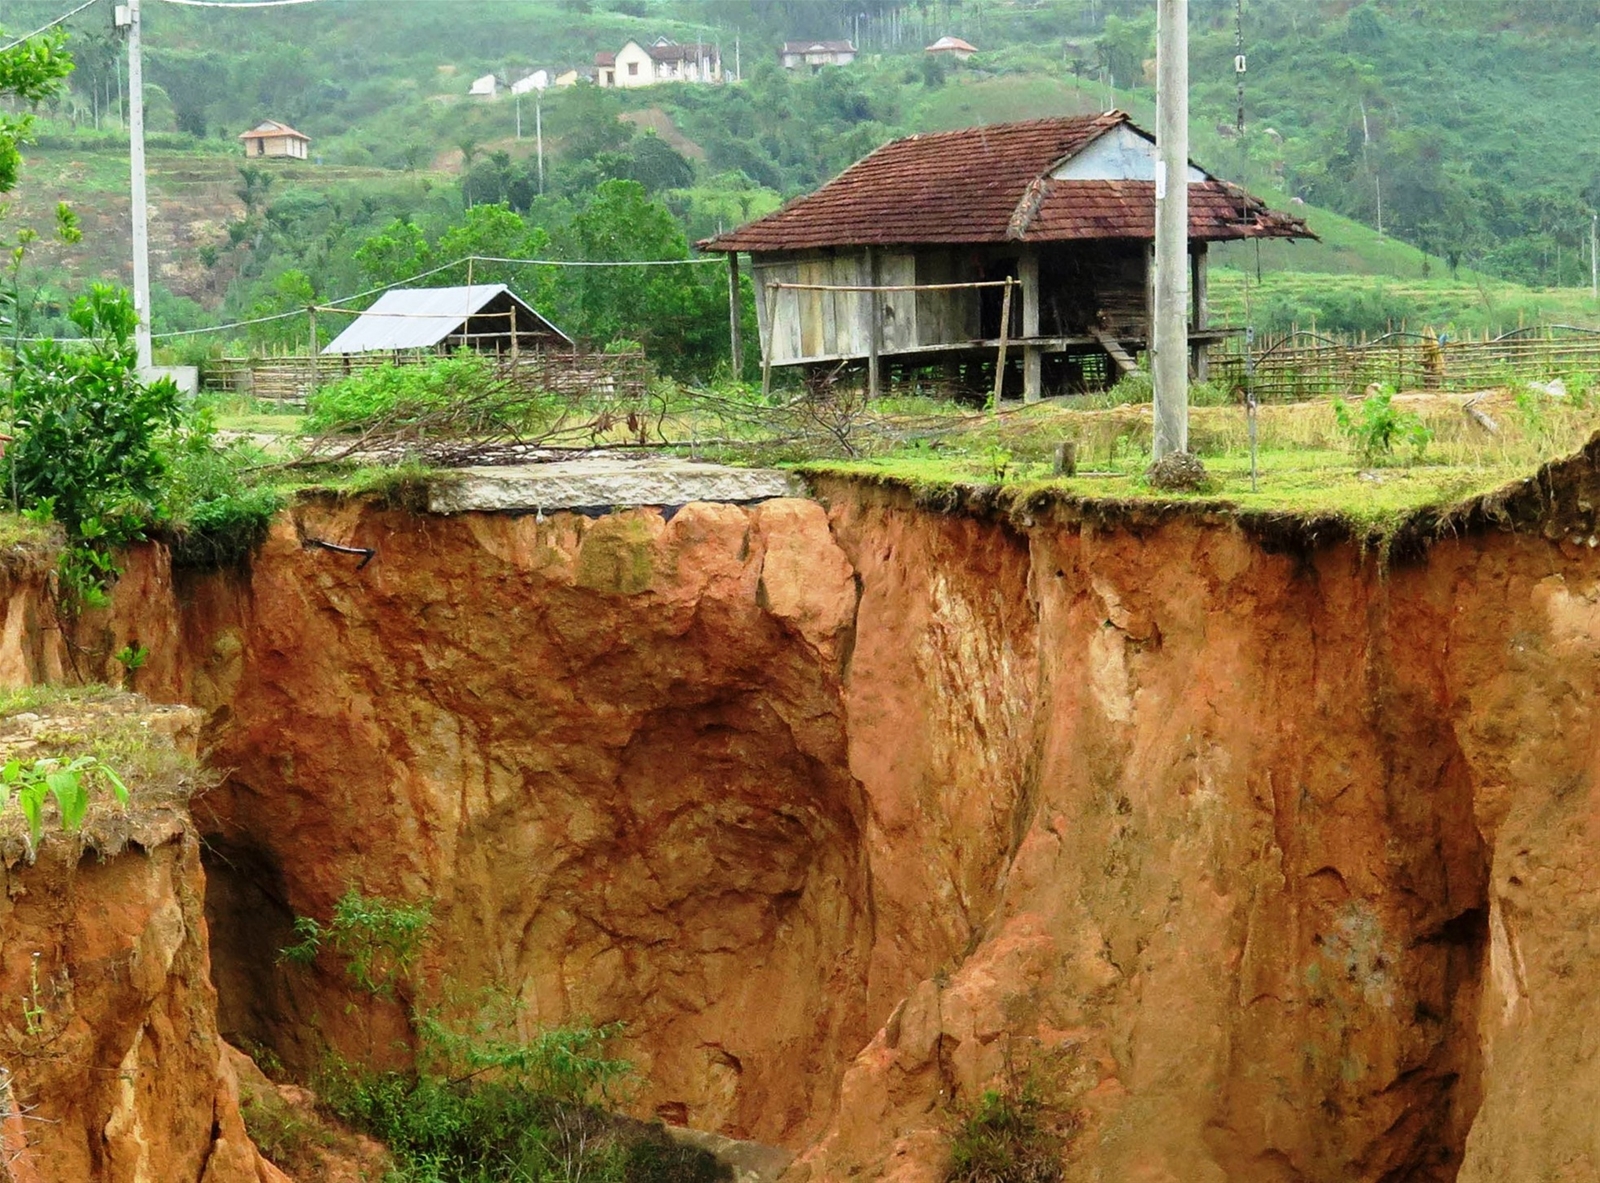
1170 343
141 214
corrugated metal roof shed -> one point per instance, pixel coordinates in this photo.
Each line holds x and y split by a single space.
422 318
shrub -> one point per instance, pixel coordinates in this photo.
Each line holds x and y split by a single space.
217 516
88 433
481 1105
395 392
378 938
1377 426
1006 1138
494 1111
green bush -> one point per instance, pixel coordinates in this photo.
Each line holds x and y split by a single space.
379 939
89 435
482 1105
217 515
1006 1138
1377 426
397 392
495 1112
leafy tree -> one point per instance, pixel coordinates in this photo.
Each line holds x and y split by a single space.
656 164
88 433
496 232
33 71
396 253
1125 46
679 313
195 81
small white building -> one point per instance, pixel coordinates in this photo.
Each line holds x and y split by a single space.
952 47
269 138
814 55
484 88
660 61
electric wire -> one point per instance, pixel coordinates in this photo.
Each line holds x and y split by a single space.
238 324
51 25
599 262
241 324
240 4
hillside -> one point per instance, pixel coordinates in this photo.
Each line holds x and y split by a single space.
1462 116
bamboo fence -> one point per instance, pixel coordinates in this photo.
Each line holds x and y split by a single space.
624 377
1305 365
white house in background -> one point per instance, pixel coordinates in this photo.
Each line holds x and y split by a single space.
485 87
660 61
271 138
952 47
538 80
814 55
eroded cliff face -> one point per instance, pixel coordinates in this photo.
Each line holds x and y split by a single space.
613 755
112 1067
1272 864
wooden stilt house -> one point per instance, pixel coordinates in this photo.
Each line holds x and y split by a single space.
1065 207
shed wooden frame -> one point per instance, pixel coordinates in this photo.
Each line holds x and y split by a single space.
877 266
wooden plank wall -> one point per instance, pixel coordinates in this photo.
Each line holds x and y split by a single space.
899 309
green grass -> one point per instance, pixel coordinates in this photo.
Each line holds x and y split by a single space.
47 698
22 536
1308 484
263 422
111 725
966 101
1305 467
1236 297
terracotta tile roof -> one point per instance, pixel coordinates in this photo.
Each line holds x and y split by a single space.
605 58
271 129
989 185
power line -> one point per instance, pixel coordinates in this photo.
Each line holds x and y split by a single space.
597 262
240 4
51 25
241 324
238 324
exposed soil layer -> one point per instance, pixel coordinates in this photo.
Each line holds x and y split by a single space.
113 1069
1269 860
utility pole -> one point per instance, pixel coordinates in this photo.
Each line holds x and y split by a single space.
1594 256
538 122
1170 338
141 214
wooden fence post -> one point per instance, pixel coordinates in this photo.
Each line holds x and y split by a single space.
1000 360
515 349
311 315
